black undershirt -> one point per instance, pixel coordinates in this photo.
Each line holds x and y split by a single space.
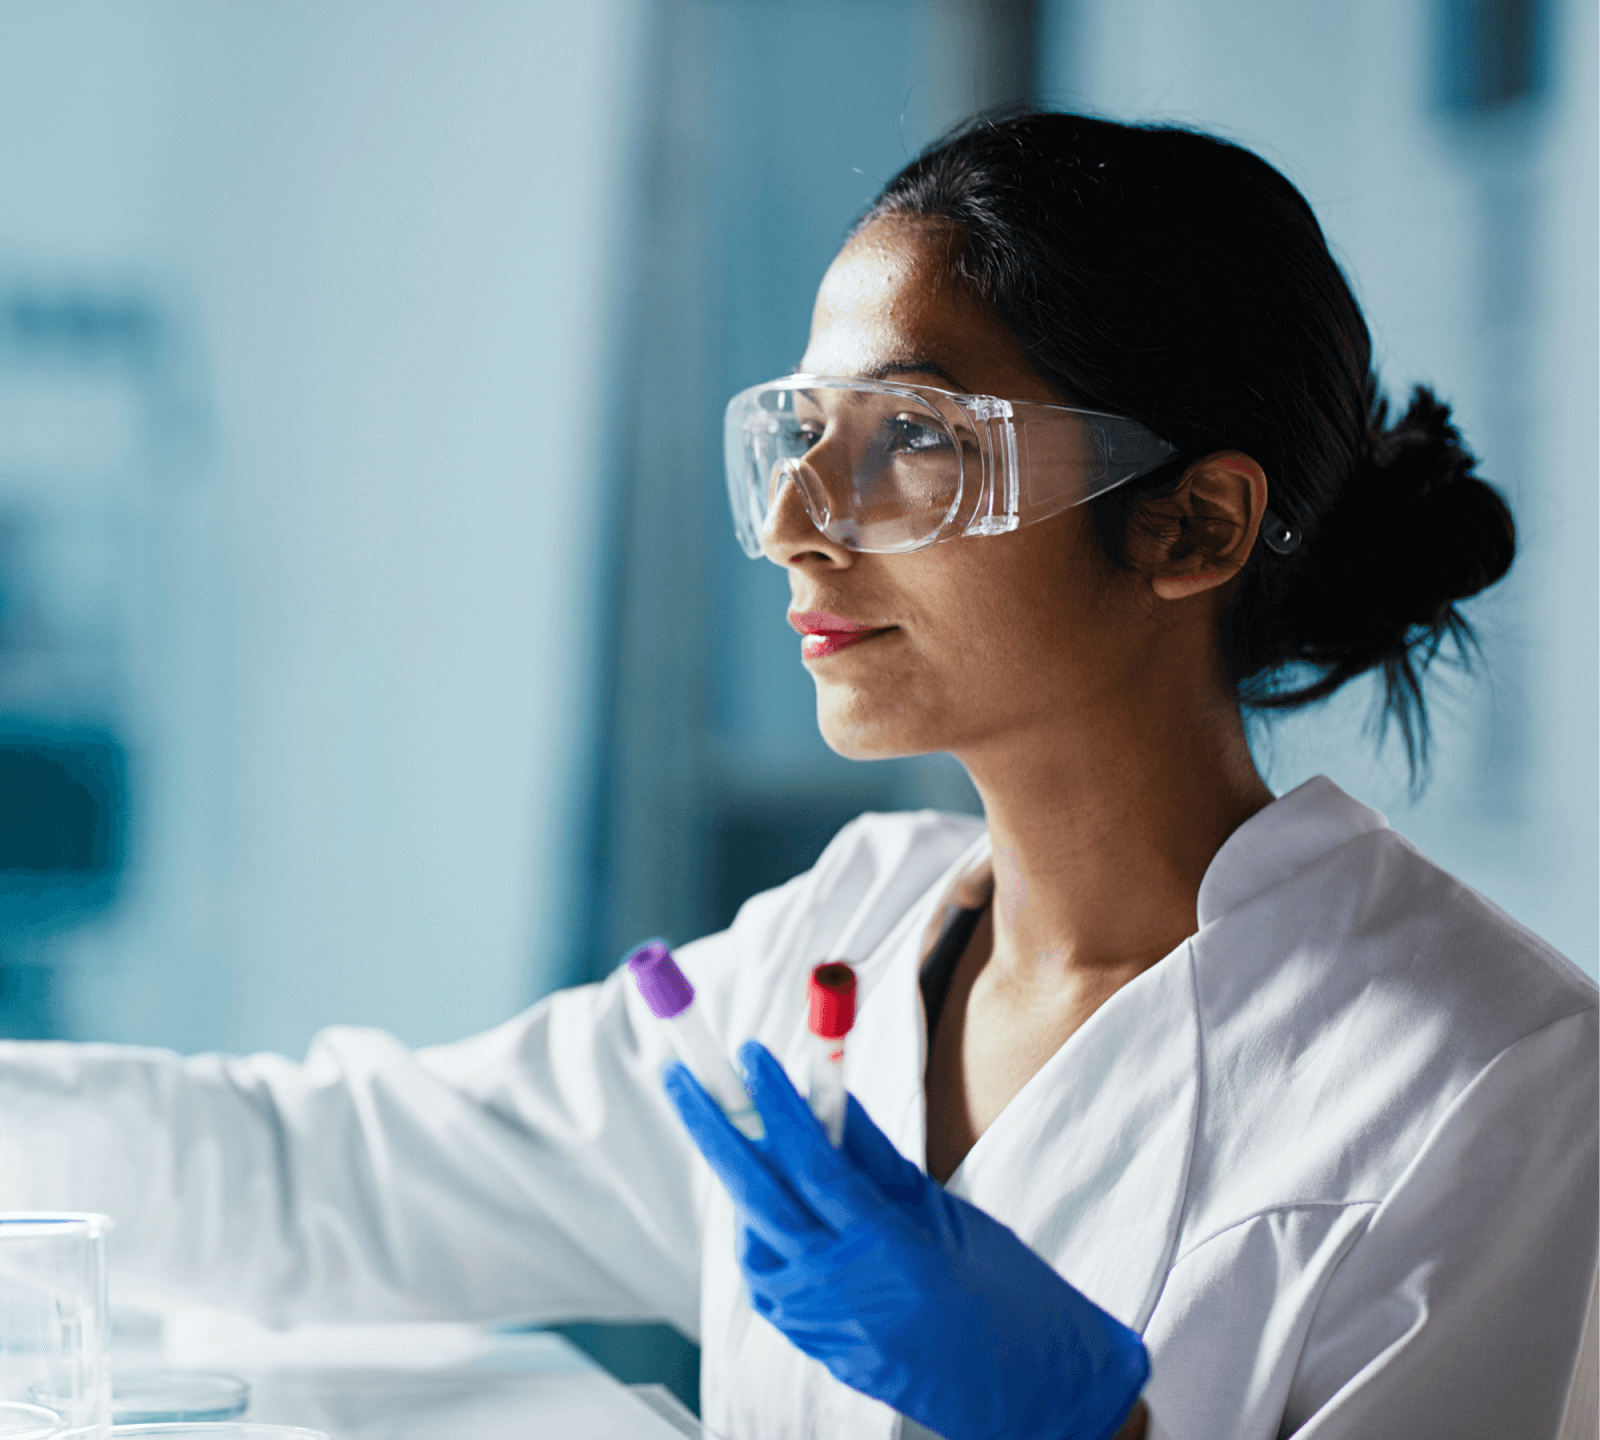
940 968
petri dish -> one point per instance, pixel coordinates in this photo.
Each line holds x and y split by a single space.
201 1430
146 1397
27 1422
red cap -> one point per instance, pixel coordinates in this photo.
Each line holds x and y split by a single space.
833 1000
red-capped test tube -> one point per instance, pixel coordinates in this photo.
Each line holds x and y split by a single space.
833 1012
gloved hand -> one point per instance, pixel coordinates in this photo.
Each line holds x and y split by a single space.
903 1291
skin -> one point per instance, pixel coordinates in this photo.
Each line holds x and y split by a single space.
1089 704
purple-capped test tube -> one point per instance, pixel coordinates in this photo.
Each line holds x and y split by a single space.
670 996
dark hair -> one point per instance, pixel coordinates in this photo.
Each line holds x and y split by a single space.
1159 273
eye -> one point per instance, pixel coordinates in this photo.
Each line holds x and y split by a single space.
909 436
808 433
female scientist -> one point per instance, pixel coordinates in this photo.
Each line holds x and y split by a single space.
1182 1110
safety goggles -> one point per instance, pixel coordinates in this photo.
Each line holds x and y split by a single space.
887 468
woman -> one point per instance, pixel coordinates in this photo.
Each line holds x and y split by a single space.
1250 1085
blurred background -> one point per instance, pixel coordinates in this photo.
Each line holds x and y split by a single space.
374 645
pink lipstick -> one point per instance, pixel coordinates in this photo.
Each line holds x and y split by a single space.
824 634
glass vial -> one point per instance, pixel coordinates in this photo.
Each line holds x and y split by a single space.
832 1011
670 996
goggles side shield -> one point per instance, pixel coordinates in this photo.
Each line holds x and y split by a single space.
888 468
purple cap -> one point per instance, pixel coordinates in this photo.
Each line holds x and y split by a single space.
666 989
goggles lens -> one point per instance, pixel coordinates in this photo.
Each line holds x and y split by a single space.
888 468
875 469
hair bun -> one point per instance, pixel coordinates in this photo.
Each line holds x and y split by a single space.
1438 532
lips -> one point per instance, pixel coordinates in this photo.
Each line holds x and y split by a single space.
824 634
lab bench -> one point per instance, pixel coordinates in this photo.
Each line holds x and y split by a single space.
414 1381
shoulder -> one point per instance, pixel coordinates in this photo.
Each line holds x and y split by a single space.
1348 1004
1495 955
1316 908
1376 928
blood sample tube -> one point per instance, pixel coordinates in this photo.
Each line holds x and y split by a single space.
670 996
833 1012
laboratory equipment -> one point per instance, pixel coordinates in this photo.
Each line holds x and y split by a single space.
831 1012
150 1396
670 996
27 1422
903 1291
888 467
144 1397
54 1332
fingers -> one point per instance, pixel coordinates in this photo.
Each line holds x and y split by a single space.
900 1180
833 1187
756 1257
793 1188
786 1114
767 1204
777 1100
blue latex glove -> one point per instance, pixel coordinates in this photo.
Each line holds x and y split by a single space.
903 1291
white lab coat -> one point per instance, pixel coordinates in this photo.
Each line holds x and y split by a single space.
1335 1156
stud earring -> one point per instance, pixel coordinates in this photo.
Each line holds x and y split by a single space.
1277 535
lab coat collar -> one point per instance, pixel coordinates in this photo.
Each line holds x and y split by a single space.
891 1026
1279 841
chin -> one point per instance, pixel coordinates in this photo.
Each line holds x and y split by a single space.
860 729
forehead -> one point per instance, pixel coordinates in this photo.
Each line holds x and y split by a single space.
891 303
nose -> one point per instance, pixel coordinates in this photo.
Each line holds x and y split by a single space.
791 537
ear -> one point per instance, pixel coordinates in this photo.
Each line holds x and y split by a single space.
1199 537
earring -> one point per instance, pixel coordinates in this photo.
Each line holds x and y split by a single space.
1277 535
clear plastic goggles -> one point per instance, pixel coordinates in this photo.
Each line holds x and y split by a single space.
888 468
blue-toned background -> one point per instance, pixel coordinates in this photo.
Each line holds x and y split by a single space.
374 647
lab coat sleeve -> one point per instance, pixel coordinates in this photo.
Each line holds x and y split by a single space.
1458 1311
534 1172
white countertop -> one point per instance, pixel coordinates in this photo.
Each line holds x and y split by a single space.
412 1382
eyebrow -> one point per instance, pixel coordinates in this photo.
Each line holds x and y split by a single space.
914 365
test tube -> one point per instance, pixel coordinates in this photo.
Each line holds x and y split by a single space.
833 1012
670 996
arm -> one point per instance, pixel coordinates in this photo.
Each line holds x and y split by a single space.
533 1172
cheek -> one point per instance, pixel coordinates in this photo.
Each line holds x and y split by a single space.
1032 613
997 633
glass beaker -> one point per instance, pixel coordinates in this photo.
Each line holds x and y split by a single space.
54 1332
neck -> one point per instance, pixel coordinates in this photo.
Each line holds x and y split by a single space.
1102 836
